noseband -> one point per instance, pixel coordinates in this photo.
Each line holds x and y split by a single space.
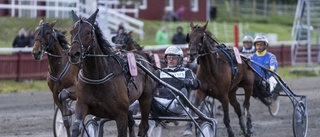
77 38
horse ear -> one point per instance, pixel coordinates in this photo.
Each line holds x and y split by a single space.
53 23
130 32
92 18
191 25
187 38
41 21
205 26
75 18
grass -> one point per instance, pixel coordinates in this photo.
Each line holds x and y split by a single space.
10 86
10 26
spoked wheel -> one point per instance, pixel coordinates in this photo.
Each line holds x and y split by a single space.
275 105
208 107
58 126
300 120
207 129
91 129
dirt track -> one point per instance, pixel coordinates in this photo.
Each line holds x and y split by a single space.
30 114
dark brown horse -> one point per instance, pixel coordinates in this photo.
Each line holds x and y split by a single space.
62 76
105 87
218 78
124 41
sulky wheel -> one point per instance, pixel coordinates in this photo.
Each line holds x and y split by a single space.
91 129
207 129
208 107
275 105
59 129
300 120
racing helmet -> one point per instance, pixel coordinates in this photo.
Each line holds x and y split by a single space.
247 39
261 38
174 50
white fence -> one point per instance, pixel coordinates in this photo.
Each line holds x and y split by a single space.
108 18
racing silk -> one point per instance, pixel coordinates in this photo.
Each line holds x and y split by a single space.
186 76
266 59
247 52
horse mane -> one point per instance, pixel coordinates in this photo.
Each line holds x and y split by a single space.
61 37
105 46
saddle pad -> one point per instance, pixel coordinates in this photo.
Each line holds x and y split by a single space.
157 60
237 54
132 64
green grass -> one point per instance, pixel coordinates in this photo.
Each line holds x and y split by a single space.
10 26
9 86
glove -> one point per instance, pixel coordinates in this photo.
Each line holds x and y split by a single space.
186 81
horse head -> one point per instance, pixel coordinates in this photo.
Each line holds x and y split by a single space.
82 37
123 40
196 40
45 37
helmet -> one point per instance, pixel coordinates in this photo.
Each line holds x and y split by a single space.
261 38
173 50
247 39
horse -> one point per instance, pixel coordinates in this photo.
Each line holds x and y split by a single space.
105 87
124 41
220 76
62 76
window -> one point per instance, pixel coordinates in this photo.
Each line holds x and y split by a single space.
143 4
169 5
194 5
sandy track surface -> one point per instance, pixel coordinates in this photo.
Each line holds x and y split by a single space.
30 114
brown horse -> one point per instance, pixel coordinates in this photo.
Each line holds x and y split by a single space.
62 76
105 87
124 41
218 78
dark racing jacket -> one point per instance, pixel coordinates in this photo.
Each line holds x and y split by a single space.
185 78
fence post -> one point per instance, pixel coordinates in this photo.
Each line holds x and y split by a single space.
19 61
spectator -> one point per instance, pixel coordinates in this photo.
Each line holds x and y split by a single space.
31 33
162 37
180 13
121 27
248 47
169 16
21 40
179 37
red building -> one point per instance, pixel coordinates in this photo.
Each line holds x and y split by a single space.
195 10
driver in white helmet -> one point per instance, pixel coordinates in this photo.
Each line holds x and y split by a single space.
248 47
267 59
185 80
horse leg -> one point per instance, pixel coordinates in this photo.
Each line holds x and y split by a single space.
122 123
199 97
246 105
131 124
237 108
145 106
224 100
80 114
66 111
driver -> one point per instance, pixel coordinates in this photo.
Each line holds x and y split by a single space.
267 59
185 81
248 47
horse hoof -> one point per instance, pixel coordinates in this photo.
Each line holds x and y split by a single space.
250 130
187 133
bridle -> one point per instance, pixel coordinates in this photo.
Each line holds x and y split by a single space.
122 40
77 39
199 46
50 41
